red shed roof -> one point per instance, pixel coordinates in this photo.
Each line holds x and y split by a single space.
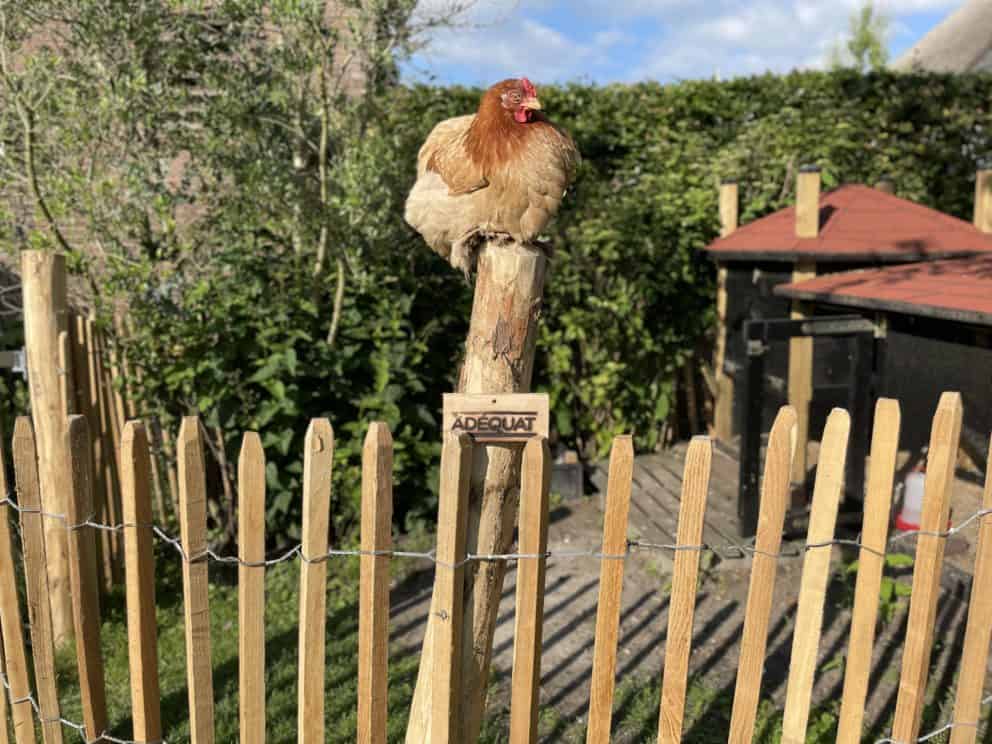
857 223
955 289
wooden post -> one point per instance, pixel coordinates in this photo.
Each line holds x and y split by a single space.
82 370
139 565
251 590
604 657
373 616
104 423
682 606
85 586
36 580
801 349
764 566
975 654
499 358
723 412
871 563
196 603
448 698
942 457
983 199
15 658
816 573
535 486
318 459
45 316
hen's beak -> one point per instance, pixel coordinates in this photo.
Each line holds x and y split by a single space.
531 104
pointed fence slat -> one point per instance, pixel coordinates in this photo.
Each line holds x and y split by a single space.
771 518
66 382
944 438
373 615
193 530
535 488
449 584
604 664
827 493
15 658
92 410
83 579
103 415
317 464
251 590
975 653
36 580
682 604
871 562
139 579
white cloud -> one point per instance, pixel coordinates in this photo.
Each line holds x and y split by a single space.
555 40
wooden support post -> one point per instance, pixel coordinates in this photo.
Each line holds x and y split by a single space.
139 564
373 616
723 411
85 586
251 590
448 696
945 437
528 628
196 602
499 358
983 200
764 566
36 580
318 459
45 317
816 572
801 376
15 657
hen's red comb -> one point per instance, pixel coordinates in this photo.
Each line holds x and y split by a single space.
528 87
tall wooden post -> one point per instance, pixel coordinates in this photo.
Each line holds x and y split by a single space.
983 199
723 413
801 349
499 358
44 290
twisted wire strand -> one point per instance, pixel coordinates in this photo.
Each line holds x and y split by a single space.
297 551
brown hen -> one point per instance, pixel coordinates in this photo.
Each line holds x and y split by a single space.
502 171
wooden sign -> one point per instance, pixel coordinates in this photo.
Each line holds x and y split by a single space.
502 418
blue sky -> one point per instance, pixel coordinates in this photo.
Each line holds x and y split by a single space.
606 41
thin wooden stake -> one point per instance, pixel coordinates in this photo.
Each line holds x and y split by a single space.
67 385
111 446
170 465
104 484
36 580
449 586
944 438
535 487
975 654
604 660
83 578
251 589
871 563
764 566
15 658
193 531
82 368
373 615
139 567
682 604
816 572
318 460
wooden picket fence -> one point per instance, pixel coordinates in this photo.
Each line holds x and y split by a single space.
451 558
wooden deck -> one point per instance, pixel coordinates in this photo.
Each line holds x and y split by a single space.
655 498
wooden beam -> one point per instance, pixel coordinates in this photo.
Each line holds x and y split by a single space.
801 375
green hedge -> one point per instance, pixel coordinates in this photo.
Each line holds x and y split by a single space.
630 294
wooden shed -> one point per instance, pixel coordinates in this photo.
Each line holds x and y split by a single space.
809 357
